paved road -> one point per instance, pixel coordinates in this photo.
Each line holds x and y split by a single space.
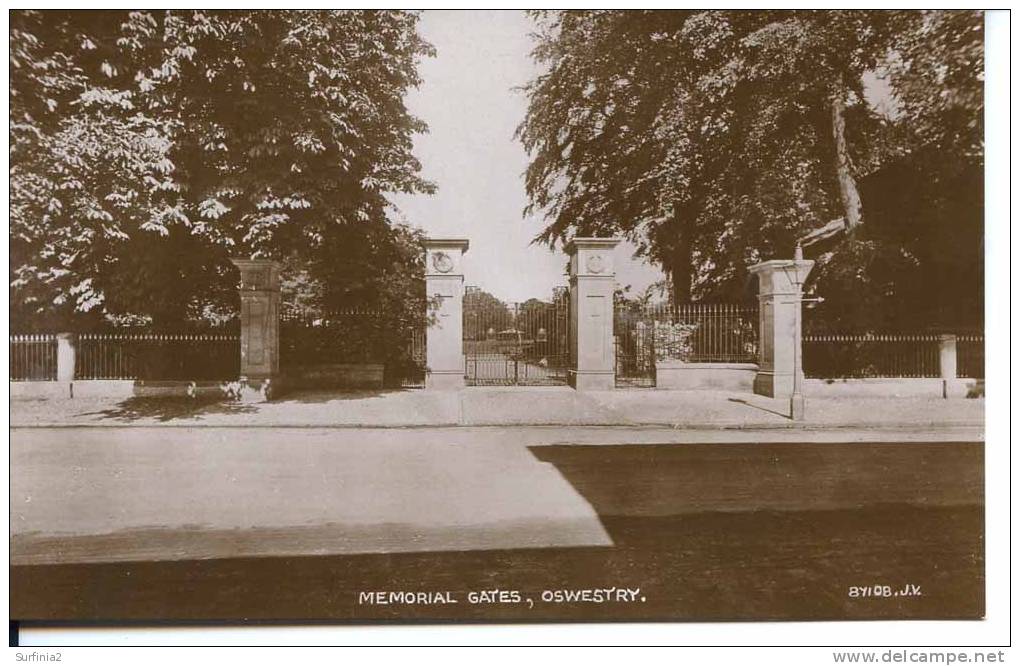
206 523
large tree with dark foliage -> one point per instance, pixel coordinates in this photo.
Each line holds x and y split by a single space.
150 147
715 139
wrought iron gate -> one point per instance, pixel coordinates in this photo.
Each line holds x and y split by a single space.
508 344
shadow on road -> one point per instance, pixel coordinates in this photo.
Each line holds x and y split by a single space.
715 532
666 479
711 566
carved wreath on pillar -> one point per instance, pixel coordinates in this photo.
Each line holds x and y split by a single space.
442 262
596 263
256 279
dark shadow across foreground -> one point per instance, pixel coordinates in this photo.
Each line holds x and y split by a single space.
828 517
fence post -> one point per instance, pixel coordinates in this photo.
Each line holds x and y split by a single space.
592 282
779 350
260 327
947 356
444 341
947 361
66 361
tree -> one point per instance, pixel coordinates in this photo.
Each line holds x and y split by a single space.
593 127
922 258
714 139
77 153
937 72
482 312
150 147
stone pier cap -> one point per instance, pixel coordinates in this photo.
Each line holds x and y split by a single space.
583 242
460 243
433 245
781 276
258 274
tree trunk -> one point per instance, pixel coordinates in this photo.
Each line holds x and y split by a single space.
681 267
844 167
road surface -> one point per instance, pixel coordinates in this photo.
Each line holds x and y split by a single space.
493 523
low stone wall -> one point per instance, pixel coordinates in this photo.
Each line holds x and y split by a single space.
34 390
145 389
335 375
722 376
899 387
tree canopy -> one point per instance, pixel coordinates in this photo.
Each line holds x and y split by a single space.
150 147
715 139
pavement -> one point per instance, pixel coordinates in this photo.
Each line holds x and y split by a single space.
498 406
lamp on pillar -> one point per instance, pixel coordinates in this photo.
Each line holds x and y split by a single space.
260 327
592 282
444 341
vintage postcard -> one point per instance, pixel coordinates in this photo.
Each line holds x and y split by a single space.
369 316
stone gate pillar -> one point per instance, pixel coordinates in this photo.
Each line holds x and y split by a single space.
260 325
592 282
444 341
780 290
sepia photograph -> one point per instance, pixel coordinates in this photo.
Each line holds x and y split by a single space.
446 317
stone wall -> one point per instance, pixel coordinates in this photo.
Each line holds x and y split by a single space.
718 376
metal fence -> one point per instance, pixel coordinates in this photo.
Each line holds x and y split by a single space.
157 356
721 333
837 356
410 373
33 357
690 332
970 356
355 336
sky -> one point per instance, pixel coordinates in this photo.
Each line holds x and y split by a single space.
469 101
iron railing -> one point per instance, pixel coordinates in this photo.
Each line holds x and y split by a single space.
689 332
722 333
410 373
157 356
355 336
970 356
532 349
861 355
33 357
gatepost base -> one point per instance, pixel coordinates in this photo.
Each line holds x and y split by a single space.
444 381
592 381
774 385
797 407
